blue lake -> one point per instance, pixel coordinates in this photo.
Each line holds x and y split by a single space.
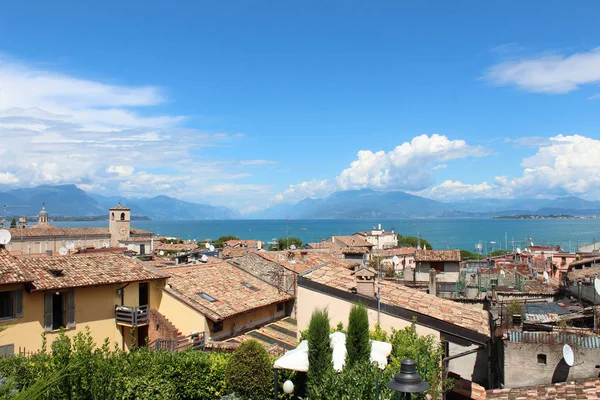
441 233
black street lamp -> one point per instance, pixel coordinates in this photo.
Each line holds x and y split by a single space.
408 380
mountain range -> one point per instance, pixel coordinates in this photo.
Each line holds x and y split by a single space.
69 200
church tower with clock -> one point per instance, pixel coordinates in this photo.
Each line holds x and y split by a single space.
119 224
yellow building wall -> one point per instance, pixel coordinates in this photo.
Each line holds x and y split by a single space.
38 246
94 307
308 300
185 318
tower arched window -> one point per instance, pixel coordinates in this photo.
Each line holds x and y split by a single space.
112 216
122 216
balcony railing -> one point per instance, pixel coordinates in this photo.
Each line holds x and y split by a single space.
131 316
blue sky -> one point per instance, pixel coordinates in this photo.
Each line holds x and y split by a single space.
248 104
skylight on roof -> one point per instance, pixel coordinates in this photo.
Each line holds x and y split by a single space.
250 286
57 273
206 297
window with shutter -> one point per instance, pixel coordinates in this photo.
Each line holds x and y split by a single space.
71 307
11 304
48 311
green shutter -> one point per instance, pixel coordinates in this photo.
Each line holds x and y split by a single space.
19 303
48 311
71 305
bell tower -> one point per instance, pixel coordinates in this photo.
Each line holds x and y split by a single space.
119 224
43 216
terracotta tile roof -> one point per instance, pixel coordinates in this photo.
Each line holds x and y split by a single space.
399 251
185 246
463 315
222 282
467 389
352 241
66 233
136 240
584 273
86 270
438 256
277 337
299 261
237 242
141 232
319 245
11 269
231 252
120 207
584 389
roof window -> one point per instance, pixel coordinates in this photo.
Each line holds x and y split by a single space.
250 286
207 297
57 273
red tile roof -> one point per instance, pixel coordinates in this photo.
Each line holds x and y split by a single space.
584 389
299 261
352 241
66 233
399 251
463 315
11 269
438 256
222 282
86 270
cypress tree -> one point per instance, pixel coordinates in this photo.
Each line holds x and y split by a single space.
358 344
320 354
13 223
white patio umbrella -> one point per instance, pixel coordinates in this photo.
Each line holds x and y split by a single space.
297 359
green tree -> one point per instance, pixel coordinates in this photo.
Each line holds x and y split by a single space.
466 254
13 223
497 253
320 355
249 371
358 344
220 242
286 243
412 241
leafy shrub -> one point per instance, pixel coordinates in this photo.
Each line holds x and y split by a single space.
249 371
358 345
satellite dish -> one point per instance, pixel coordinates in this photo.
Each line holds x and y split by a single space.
293 247
207 245
211 248
396 260
204 258
568 355
63 251
545 275
518 250
502 272
4 236
70 245
162 253
597 285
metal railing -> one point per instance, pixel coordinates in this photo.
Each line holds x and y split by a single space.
131 316
194 341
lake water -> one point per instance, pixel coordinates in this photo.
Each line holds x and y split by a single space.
441 233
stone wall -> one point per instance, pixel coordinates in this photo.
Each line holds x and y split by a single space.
160 327
527 364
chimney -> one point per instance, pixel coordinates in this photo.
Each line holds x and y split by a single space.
365 282
332 238
432 282
379 227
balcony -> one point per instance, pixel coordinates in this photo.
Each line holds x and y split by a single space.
131 316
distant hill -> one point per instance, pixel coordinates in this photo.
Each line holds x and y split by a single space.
69 200
359 204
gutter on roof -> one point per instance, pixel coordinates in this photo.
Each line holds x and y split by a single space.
395 311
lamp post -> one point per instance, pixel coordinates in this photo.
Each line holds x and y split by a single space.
408 381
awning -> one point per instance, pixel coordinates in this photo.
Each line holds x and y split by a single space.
297 359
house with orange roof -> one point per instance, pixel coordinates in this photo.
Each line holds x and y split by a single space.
109 293
220 300
465 329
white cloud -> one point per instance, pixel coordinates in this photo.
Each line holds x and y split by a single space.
407 167
56 128
567 165
310 189
6 178
548 74
450 190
